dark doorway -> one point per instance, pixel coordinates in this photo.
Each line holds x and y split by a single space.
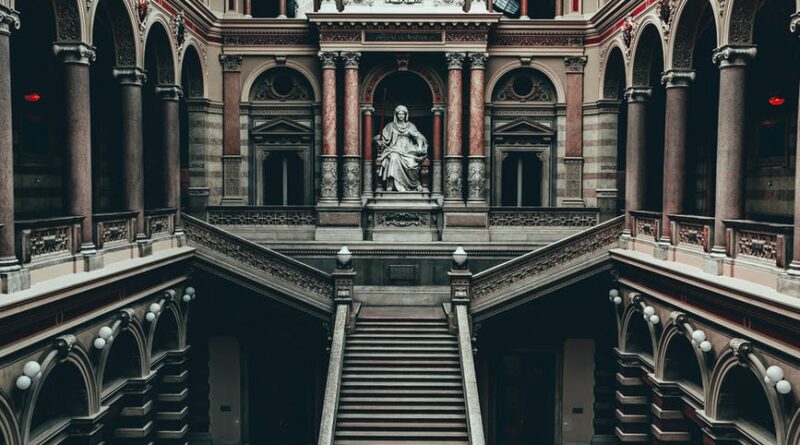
522 180
283 179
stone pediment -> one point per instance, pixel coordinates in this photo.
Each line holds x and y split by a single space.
281 126
523 127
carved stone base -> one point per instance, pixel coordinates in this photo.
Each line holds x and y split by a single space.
436 177
466 224
398 216
145 247
625 240
180 237
231 181
13 278
476 179
351 181
329 182
661 250
714 263
367 174
92 258
453 179
789 282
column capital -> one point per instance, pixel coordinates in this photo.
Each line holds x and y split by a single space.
351 59
230 63
77 53
130 75
477 61
437 110
729 55
169 92
638 94
575 64
368 110
794 23
455 61
328 59
9 21
678 78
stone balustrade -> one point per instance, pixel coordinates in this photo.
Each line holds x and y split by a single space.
646 224
114 229
543 217
692 232
262 215
48 239
768 243
159 223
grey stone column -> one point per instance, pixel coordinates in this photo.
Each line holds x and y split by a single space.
675 138
12 277
131 81
171 143
635 152
78 124
729 203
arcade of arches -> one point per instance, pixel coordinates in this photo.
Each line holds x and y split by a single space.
206 235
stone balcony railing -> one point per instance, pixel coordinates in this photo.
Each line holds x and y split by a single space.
514 217
692 232
761 242
645 224
261 215
114 229
47 239
159 223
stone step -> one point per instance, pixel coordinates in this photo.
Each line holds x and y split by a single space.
392 341
401 377
401 417
398 442
399 355
419 337
372 408
393 363
404 401
406 330
379 392
399 322
401 435
412 348
398 383
403 369
403 426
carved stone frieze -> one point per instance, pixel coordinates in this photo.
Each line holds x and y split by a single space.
646 227
268 38
327 189
50 241
158 224
452 178
115 231
476 177
262 217
555 218
529 39
351 178
692 234
402 219
758 245
574 177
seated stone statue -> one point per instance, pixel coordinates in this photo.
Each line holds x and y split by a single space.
402 149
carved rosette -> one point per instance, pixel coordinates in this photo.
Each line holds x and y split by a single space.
351 178
78 53
678 78
328 60
351 60
230 63
9 21
327 188
452 178
476 177
575 64
455 61
733 55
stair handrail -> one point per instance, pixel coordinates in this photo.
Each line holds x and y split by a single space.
504 277
286 271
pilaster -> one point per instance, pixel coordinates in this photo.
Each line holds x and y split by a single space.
573 159
231 130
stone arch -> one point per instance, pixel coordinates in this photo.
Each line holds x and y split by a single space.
248 84
672 349
794 429
166 332
81 397
682 40
162 46
541 89
130 344
632 328
265 87
192 72
614 78
739 364
124 29
739 20
648 41
491 84
70 21
378 74
9 431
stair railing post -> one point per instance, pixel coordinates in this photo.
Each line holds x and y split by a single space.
460 280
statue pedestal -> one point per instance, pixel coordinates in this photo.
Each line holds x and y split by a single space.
402 217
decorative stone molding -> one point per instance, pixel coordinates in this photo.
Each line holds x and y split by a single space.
452 178
741 349
169 92
178 23
328 59
794 23
543 218
638 94
327 189
230 63
351 59
628 31
455 61
351 178
143 9
9 21
261 216
678 78
728 55
78 53
438 110
476 177
368 110
477 61
575 64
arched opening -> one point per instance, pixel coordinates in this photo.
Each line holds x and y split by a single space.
191 125
524 148
647 69
63 395
107 186
703 111
282 146
742 399
38 108
166 335
124 360
637 338
614 89
771 101
159 66
681 365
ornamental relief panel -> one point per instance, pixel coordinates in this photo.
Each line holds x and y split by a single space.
281 84
524 85
758 245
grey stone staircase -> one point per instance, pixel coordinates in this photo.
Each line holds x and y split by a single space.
401 382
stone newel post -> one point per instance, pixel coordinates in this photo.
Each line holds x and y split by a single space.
231 130
77 58
452 161
636 145
351 166
477 135
328 184
729 203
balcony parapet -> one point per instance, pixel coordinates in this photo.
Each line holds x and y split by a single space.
761 242
159 223
543 217
262 215
646 224
114 229
48 239
692 232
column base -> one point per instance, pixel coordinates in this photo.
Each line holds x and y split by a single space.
232 201
13 278
714 262
465 223
180 237
625 240
789 282
573 202
661 250
92 258
144 247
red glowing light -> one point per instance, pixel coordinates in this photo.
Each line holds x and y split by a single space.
33 97
776 101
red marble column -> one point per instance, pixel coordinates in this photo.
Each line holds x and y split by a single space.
328 183
523 9
367 149
131 81
477 134
77 58
675 138
231 130
453 156
11 274
351 165
248 7
438 112
730 139
635 152
559 8
573 158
